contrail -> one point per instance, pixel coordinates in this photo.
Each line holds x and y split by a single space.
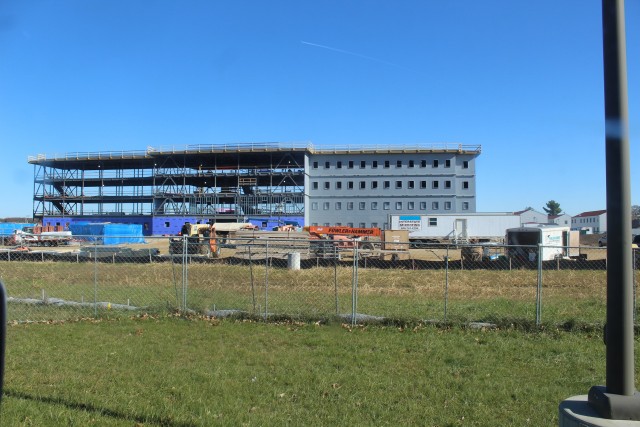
353 54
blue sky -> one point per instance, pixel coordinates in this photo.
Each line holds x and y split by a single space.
521 79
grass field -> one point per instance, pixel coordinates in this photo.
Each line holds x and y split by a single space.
199 372
458 296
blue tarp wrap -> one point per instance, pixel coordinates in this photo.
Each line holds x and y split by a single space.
108 233
7 228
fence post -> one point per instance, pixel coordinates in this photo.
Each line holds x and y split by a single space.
446 283
539 289
354 286
266 280
185 272
95 279
335 278
253 289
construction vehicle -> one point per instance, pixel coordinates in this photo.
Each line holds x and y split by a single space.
346 237
41 236
205 239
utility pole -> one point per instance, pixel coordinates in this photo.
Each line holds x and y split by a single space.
618 400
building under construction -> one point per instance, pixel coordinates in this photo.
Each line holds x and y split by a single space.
268 184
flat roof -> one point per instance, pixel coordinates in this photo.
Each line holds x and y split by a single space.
150 156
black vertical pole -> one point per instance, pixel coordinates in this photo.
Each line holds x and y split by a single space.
618 400
620 363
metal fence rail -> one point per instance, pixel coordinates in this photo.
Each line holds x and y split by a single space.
282 278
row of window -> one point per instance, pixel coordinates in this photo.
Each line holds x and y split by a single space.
385 206
584 220
433 222
362 185
387 164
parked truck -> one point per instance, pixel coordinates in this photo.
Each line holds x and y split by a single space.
455 228
41 236
205 239
549 241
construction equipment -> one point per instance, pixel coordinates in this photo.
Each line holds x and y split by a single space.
347 237
205 239
41 236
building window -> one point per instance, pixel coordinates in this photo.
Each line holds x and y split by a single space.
338 185
387 184
423 184
465 206
433 222
338 206
349 206
338 165
349 224
435 206
314 206
315 165
327 165
386 206
374 205
350 164
398 163
363 164
465 185
447 206
374 184
423 206
410 185
434 184
410 205
398 206
398 184
447 184
423 163
447 163
362 205
327 185
374 224
386 163
465 164
362 225
435 163
374 164
363 185
314 185
350 185
411 163
325 206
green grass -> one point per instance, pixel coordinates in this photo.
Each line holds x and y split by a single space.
466 295
201 372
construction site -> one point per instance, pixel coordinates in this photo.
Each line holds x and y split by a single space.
163 188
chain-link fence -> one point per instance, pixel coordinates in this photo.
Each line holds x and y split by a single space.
272 278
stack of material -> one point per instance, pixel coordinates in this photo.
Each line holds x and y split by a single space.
272 244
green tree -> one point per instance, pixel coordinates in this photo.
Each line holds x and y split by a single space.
552 208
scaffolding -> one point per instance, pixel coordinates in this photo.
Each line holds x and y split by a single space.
209 182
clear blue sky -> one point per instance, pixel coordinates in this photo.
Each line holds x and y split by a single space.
522 79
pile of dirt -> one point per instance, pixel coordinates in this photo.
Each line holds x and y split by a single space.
590 239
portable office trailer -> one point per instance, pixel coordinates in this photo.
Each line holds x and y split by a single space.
551 241
479 227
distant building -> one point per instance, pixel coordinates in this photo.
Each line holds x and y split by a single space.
594 220
562 219
267 184
531 216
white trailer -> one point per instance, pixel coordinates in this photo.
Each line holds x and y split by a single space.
550 241
455 228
